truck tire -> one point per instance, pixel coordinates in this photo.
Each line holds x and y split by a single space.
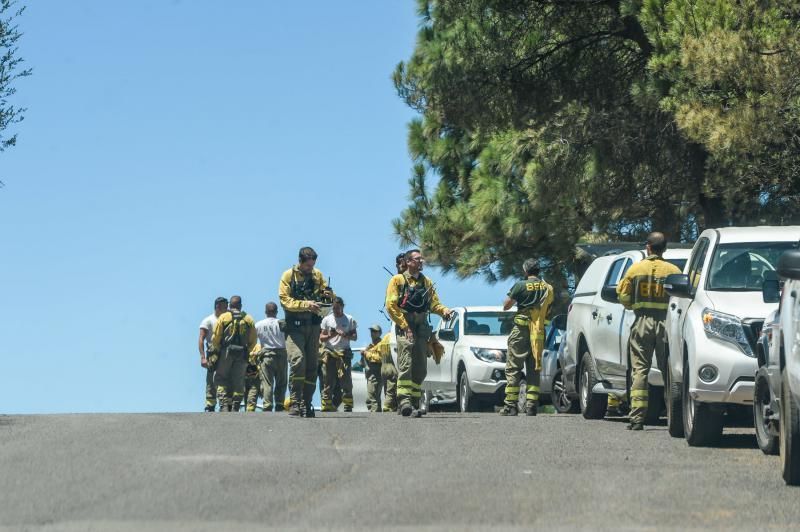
655 404
702 423
672 392
790 434
593 406
766 436
467 402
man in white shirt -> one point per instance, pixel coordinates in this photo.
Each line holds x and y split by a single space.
208 359
273 365
337 331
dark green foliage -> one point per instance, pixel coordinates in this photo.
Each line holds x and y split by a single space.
10 69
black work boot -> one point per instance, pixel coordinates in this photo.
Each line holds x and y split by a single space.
405 410
531 410
508 411
294 410
210 409
635 426
279 407
310 410
416 412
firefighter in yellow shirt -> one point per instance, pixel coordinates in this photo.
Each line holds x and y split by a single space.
233 338
532 297
410 298
377 355
302 289
642 290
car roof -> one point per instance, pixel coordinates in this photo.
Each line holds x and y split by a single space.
761 233
670 253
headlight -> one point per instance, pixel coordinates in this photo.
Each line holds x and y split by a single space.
489 355
726 327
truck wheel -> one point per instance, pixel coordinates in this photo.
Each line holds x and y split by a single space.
593 406
672 392
765 433
466 399
425 401
655 404
702 425
558 396
790 434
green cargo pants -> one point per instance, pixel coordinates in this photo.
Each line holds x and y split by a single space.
412 360
389 379
252 388
337 380
273 378
211 392
229 379
374 386
521 355
648 334
302 348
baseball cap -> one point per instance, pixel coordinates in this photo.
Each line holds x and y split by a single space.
375 327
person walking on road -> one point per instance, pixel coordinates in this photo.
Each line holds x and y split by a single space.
234 339
642 290
301 289
533 298
337 331
377 355
410 298
208 359
272 358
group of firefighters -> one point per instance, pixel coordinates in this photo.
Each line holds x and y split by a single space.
245 359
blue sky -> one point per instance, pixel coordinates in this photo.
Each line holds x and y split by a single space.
176 151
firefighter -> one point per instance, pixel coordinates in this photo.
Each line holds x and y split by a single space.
208 359
380 372
234 338
642 290
338 330
410 298
533 298
301 290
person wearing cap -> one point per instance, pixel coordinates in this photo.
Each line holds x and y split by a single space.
642 290
337 331
377 355
410 298
301 290
208 358
400 262
272 358
533 298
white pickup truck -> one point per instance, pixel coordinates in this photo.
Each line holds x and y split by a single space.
471 373
595 357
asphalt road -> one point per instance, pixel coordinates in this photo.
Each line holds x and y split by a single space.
361 471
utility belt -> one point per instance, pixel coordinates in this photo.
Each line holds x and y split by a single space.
297 321
236 351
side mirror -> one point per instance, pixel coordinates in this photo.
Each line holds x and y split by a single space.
771 291
560 322
448 335
609 293
789 264
678 285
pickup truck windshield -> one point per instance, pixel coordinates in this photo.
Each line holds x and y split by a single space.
740 267
488 323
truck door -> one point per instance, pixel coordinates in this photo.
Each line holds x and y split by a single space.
608 323
439 375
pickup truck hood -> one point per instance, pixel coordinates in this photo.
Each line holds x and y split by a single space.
488 342
742 304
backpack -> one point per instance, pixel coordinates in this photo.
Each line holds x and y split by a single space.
234 335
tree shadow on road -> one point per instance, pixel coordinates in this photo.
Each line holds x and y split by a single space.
738 441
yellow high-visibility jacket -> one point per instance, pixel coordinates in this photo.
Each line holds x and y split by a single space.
294 276
396 288
642 288
378 352
250 336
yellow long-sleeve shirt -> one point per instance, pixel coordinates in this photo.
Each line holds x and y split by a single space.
287 298
643 285
379 351
395 289
251 338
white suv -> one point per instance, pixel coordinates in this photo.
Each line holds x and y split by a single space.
714 320
595 357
